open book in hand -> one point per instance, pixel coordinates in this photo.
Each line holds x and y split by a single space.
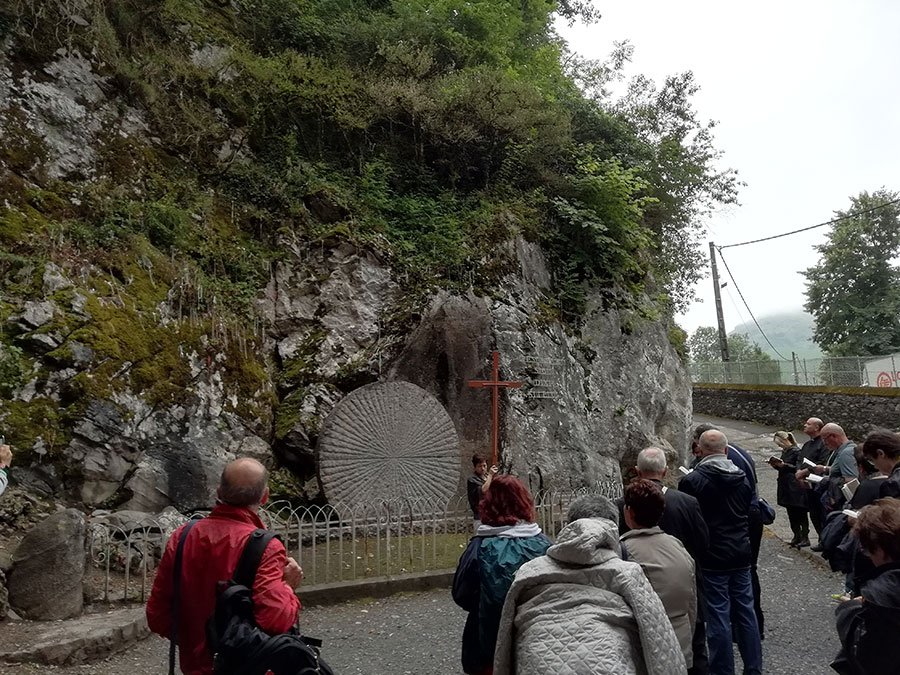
814 478
850 513
849 488
684 470
807 461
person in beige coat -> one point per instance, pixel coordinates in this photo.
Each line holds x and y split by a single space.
663 558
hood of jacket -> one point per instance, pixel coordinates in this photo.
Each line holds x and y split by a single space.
884 589
722 467
588 541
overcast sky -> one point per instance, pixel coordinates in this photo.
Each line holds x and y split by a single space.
808 103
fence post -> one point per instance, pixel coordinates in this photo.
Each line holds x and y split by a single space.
805 373
893 372
794 363
858 371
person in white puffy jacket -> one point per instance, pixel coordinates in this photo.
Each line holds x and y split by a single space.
582 610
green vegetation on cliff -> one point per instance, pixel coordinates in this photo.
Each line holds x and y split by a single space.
434 128
430 130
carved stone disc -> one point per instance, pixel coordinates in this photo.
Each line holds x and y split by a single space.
389 440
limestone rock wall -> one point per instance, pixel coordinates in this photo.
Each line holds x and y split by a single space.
128 399
589 401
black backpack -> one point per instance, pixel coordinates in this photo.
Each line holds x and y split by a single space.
238 645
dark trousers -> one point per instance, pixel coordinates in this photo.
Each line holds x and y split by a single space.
756 532
815 512
799 522
701 656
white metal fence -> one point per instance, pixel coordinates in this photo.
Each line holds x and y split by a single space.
332 543
841 371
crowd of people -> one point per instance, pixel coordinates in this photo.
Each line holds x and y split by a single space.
666 580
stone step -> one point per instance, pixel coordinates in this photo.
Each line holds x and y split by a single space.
87 638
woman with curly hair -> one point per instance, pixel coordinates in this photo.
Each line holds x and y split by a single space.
507 538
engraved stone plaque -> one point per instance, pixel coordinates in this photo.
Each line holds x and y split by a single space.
389 440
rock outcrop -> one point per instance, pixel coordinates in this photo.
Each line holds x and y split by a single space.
48 567
130 391
589 402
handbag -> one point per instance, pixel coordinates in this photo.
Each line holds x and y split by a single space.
766 512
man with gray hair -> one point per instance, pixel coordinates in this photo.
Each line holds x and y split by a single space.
210 554
724 494
681 517
839 468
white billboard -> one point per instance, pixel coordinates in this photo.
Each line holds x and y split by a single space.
884 371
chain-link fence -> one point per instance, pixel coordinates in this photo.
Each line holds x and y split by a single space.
840 371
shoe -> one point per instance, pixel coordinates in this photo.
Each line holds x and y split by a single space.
793 543
802 543
818 548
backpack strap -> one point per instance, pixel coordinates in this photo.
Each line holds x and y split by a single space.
176 594
245 572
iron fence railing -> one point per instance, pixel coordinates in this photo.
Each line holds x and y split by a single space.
332 543
842 371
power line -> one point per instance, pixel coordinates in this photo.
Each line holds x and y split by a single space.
738 289
812 227
734 304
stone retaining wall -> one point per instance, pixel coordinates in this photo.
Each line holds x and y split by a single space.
856 409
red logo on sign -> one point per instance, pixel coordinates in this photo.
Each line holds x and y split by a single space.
885 380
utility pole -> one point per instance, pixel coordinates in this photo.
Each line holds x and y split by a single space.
723 339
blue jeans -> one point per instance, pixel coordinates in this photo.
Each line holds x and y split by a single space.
720 590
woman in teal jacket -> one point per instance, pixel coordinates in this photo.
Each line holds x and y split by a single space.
507 538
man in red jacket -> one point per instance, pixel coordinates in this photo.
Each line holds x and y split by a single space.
211 553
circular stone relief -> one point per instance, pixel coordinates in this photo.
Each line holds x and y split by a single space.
386 441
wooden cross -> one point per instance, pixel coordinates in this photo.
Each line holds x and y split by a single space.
494 384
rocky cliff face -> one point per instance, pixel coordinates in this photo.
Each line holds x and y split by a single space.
124 386
590 400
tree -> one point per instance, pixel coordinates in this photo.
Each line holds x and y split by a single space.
748 364
853 292
703 346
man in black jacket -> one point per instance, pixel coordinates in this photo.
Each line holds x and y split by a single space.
683 519
815 451
724 494
742 460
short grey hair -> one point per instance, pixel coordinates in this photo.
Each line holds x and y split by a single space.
242 495
651 460
593 506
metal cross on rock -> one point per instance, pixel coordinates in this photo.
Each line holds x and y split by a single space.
494 384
